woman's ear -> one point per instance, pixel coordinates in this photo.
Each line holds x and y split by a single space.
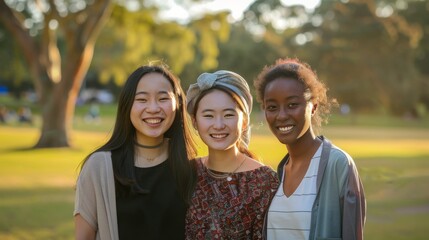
194 123
313 109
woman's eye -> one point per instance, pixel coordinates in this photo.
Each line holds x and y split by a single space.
293 105
164 97
229 115
271 108
140 100
207 116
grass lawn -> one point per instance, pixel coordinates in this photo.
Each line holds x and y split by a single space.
36 186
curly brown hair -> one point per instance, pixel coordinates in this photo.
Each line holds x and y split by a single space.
302 72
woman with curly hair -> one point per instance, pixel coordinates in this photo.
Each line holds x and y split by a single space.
320 195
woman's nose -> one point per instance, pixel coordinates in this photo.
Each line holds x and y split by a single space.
283 114
153 106
219 124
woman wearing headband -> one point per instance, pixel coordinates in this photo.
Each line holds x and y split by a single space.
233 189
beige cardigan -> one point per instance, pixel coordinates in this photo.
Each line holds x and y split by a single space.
95 196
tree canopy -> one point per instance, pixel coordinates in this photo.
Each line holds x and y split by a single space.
373 54
57 40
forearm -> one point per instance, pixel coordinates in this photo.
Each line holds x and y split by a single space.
83 231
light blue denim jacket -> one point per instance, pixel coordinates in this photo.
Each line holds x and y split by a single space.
340 207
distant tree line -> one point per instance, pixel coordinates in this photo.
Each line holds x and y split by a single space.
373 54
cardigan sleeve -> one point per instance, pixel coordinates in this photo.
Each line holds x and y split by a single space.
354 205
340 207
95 195
85 198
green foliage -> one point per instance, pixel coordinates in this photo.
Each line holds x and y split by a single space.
13 72
416 14
352 45
245 54
210 29
134 38
367 57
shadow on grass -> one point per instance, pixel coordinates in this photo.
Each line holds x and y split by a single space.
36 213
18 149
32 148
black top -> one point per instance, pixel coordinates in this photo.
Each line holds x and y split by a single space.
158 214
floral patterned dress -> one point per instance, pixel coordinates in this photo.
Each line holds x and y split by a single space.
222 209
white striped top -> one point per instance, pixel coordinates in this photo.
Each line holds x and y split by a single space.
290 217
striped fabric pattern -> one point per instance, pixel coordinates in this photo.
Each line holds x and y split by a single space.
290 217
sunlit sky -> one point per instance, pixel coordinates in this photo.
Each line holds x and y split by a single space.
173 11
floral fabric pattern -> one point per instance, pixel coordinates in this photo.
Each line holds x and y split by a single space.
222 209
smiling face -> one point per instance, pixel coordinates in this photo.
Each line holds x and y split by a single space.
287 110
219 120
154 108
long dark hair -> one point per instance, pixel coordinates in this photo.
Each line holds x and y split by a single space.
181 145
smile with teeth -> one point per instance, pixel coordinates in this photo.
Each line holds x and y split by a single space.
285 129
219 135
152 120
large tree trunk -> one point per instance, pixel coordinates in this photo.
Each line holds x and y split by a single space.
59 104
58 78
54 132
